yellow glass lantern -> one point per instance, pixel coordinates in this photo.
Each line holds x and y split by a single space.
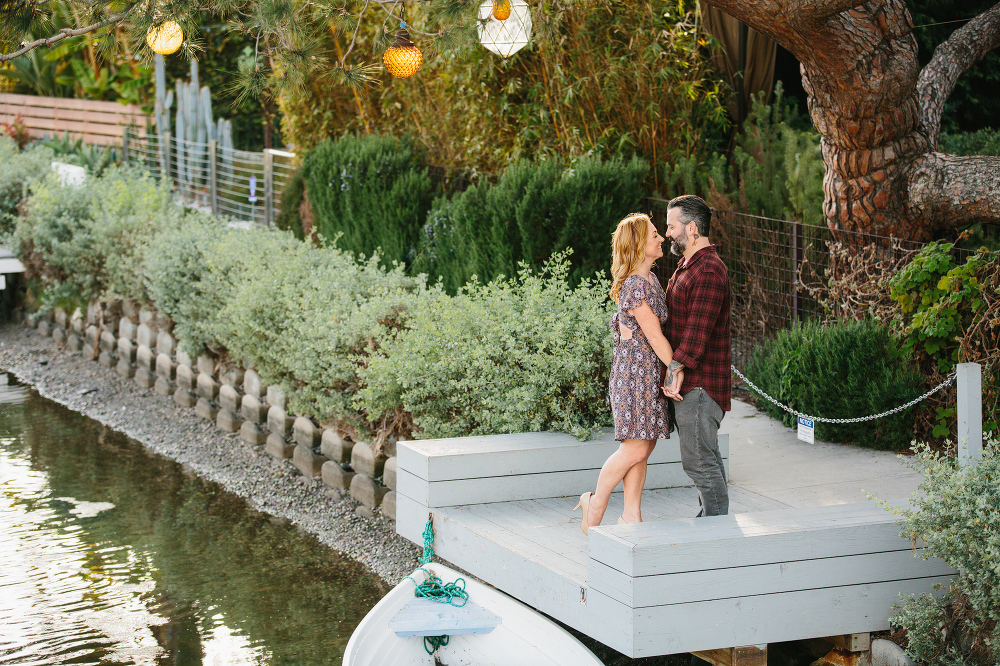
403 58
501 10
165 38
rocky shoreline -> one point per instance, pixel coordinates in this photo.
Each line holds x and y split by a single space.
267 484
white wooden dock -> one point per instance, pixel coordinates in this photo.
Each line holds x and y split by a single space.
502 510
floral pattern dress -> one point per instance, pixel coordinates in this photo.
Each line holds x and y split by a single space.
638 404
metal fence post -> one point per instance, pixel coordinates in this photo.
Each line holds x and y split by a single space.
970 413
268 188
213 177
165 158
125 144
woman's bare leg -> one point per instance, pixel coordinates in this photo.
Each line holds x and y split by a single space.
633 483
630 452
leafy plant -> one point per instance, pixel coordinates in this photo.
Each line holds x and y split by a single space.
533 211
957 517
17 131
841 370
937 300
18 170
522 354
90 241
95 159
371 192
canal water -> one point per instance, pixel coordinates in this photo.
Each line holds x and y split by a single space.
112 555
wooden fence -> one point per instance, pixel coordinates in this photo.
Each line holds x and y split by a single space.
99 123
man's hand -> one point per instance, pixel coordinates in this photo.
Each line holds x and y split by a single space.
674 380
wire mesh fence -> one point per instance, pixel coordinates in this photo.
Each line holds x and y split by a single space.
771 263
239 184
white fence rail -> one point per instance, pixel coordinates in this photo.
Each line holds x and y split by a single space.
239 184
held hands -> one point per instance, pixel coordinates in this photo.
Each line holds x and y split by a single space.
674 380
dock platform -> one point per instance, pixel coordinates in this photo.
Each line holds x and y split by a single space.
773 570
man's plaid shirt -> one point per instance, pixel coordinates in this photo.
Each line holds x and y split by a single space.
698 324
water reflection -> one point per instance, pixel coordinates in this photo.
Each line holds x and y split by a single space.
110 555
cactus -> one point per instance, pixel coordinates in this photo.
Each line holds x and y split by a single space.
194 127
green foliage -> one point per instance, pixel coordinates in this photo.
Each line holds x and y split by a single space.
779 169
957 516
90 241
981 142
516 355
17 171
371 192
842 370
937 300
533 211
181 283
95 159
310 320
292 196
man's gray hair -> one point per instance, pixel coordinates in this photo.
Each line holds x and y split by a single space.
693 209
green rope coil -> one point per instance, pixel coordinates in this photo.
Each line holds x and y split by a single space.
435 589
428 544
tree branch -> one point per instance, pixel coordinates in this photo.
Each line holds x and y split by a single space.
952 58
63 34
956 191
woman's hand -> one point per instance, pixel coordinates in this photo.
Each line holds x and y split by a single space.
650 325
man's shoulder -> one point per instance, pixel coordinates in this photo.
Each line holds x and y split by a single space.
711 262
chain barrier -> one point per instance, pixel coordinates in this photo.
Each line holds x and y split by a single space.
819 419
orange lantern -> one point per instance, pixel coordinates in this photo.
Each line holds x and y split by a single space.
403 58
501 10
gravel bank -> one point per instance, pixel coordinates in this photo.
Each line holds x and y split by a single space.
269 485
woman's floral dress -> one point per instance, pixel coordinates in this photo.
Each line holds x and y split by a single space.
638 404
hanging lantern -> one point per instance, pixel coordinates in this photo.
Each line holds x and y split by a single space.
403 58
505 37
165 38
501 10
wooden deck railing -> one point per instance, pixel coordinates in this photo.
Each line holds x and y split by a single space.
99 123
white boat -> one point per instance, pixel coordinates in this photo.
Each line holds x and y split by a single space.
517 635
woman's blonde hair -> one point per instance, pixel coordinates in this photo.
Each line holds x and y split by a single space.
628 249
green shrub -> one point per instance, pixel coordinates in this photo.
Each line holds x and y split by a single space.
957 516
181 283
309 318
90 241
982 142
842 370
516 355
370 191
17 171
534 210
288 218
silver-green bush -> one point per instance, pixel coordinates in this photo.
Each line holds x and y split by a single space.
957 516
517 355
17 171
89 242
309 318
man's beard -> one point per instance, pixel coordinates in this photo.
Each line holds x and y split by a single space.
678 245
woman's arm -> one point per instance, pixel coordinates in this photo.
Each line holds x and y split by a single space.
650 325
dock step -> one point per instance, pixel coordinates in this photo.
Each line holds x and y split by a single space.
423 617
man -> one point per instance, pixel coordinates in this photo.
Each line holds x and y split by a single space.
698 379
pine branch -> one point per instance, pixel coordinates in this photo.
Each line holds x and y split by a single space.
65 33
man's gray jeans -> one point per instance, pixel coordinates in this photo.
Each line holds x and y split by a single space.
697 417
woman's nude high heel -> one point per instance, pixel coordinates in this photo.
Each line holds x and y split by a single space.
585 504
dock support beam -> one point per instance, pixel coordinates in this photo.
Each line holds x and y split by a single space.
744 655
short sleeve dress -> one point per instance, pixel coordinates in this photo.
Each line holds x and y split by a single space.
638 404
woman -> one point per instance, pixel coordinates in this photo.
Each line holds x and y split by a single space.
641 354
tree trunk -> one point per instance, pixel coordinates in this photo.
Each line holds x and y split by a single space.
860 71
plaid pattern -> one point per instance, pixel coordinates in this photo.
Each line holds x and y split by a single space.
698 326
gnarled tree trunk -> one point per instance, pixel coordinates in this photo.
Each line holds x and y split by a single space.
879 115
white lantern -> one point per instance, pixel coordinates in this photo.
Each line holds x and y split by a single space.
505 38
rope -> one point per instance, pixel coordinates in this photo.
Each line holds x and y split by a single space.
819 419
435 589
